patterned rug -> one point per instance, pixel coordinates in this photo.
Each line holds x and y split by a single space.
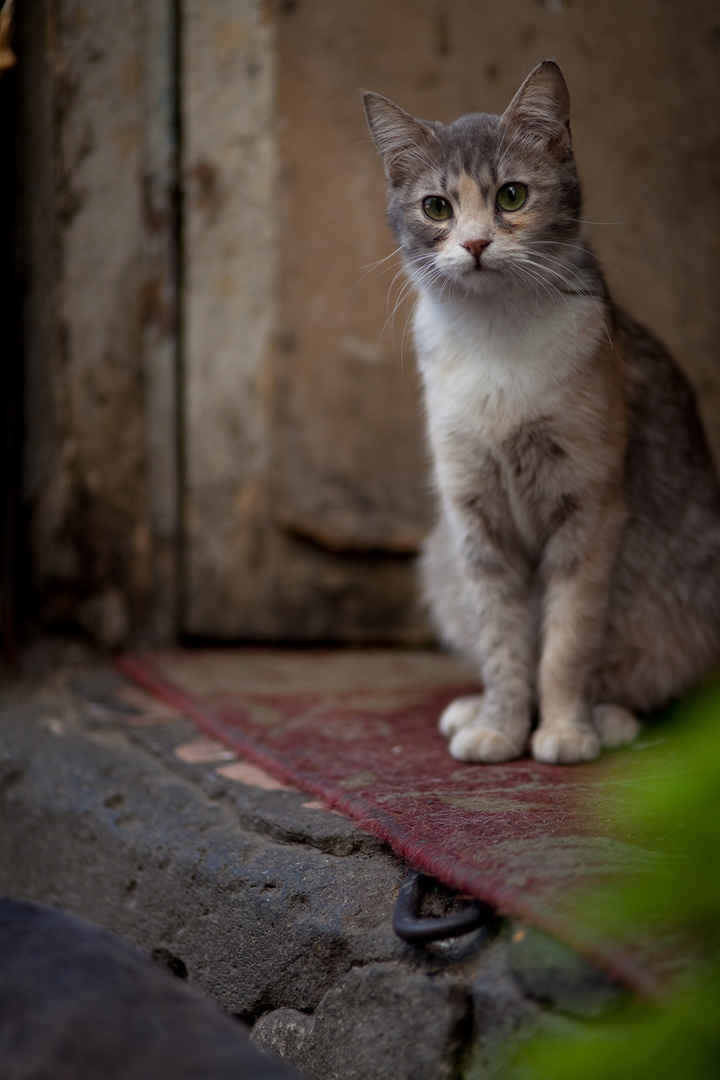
358 730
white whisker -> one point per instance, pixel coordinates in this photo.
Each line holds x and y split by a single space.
574 247
373 266
575 283
584 221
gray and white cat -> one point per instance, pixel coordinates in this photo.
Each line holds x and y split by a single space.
576 559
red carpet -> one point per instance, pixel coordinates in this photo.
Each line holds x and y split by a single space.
358 730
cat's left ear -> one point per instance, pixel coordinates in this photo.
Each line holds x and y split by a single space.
540 111
405 144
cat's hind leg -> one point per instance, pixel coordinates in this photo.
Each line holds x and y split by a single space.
459 714
615 725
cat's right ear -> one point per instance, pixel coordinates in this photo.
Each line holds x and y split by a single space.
540 111
403 141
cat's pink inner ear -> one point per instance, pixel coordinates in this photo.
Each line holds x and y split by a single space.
542 104
402 140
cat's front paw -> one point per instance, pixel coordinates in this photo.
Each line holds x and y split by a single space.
459 714
480 729
478 743
565 745
615 725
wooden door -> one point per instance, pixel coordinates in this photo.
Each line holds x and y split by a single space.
222 431
304 461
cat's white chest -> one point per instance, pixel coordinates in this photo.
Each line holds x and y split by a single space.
486 370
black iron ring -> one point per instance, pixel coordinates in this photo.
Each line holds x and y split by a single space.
410 926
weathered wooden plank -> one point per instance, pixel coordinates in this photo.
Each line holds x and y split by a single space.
99 324
350 458
90 512
160 164
251 569
229 168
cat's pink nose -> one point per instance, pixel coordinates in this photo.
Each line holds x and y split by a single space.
476 247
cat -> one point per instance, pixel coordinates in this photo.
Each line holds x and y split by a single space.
576 557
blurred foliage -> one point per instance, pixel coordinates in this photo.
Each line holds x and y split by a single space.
676 806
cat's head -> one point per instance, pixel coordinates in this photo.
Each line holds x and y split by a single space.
488 202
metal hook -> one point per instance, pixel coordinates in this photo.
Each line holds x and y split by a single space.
410 926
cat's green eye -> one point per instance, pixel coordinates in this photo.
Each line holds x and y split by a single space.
437 208
511 196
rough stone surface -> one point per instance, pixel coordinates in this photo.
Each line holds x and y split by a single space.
550 973
381 1021
93 825
277 909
